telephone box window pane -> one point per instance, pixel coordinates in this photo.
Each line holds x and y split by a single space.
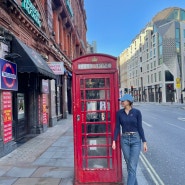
83 129
97 105
95 94
82 106
82 95
98 151
95 83
108 106
107 82
108 94
96 128
109 127
96 117
81 83
101 140
97 163
109 117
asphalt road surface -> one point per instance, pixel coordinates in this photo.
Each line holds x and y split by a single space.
164 127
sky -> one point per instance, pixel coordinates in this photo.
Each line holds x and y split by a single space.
113 24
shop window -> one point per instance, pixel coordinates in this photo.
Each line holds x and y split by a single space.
168 76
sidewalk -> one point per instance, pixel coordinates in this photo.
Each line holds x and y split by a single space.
45 160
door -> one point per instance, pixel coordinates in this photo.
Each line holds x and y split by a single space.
19 116
95 105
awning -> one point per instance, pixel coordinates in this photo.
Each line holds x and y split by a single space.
30 61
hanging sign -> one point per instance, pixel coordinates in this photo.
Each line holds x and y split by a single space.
8 78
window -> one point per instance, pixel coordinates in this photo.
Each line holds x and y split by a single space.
151 78
154 51
177 47
154 39
155 76
168 76
147 66
160 61
177 33
160 77
160 50
151 66
148 79
154 63
182 15
150 54
160 39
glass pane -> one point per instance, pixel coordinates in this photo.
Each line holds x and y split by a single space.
96 117
81 83
101 140
82 106
107 82
82 95
97 151
97 105
109 117
109 127
108 106
108 94
95 83
95 94
96 128
83 128
21 106
97 163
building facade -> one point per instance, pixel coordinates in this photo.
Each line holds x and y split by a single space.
92 48
38 40
155 59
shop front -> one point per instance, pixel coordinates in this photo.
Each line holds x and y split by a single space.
8 85
31 101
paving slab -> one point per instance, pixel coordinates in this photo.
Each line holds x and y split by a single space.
7 180
20 172
37 181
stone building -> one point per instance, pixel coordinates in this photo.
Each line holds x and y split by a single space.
155 60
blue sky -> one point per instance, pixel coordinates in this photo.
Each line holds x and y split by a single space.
113 24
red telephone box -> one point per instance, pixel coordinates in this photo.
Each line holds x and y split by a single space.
95 102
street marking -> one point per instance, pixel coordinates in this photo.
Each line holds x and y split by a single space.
147 124
155 177
181 119
175 126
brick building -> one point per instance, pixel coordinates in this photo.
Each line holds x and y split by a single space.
38 40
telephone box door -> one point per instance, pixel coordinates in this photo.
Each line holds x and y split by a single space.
95 121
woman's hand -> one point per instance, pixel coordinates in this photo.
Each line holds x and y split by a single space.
114 145
145 148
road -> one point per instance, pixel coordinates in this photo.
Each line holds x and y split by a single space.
164 127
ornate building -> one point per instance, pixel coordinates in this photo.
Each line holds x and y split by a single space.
38 40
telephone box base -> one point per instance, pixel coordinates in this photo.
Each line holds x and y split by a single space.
99 183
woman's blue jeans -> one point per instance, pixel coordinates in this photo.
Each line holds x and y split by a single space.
131 147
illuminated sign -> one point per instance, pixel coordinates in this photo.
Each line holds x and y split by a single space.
31 11
95 66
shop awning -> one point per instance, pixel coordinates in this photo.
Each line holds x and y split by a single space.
30 60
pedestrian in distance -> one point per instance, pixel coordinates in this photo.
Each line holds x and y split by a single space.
129 119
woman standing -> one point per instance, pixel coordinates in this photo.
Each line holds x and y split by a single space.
130 120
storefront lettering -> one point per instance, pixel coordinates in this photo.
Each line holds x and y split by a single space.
31 11
95 66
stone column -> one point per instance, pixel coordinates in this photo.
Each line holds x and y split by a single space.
64 92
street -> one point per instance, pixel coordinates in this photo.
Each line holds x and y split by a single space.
164 127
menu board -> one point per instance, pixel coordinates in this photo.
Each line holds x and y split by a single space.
7 115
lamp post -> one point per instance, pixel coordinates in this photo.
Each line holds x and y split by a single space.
180 70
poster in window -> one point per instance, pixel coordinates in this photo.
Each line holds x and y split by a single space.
21 107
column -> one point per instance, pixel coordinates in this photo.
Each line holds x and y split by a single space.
61 35
56 26
65 104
